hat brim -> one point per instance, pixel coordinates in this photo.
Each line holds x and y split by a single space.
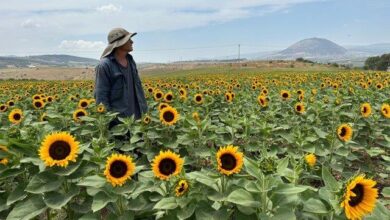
115 44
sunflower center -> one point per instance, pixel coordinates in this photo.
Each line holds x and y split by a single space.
299 108
84 104
285 95
118 169
59 150
17 116
2 107
169 116
169 97
38 104
198 98
167 166
364 109
228 161
343 132
359 191
158 95
79 114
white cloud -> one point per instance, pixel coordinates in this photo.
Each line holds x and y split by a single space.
109 8
29 23
82 45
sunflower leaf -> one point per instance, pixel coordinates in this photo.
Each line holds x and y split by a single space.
44 182
330 182
27 209
166 203
243 197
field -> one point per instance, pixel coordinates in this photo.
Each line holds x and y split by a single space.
220 142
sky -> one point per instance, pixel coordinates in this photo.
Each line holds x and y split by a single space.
175 30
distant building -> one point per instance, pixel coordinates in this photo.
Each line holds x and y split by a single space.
31 66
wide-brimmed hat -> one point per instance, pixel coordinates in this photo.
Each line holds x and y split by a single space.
116 38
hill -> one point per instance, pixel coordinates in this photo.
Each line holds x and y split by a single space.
46 60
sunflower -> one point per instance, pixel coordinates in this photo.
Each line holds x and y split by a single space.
229 160
181 188
15 116
11 103
183 92
344 132
169 116
167 163
311 159
38 104
157 95
379 86
146 119
168 97
58 148
360 197
3 108
262 99
162 105
83 103
100 108
195 116
365 109
43 117
285 94
119 168
198 98
299 107
3 161
79 113
229 97
385 109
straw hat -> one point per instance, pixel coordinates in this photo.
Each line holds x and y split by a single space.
116 38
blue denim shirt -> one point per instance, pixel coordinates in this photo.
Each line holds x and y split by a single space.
113 90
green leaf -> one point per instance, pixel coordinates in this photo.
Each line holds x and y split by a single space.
100 201
290 189
17 194
166 203
386 192
56 200
44 182
320 132
93 181
315 206
72 167
282 166
330 182
242 197
204 179
27 209
6 174
253 169
186 212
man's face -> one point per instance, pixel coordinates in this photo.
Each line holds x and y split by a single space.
128 46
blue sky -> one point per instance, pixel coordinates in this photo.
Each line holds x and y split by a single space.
170 30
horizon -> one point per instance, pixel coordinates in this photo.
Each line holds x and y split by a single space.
191 30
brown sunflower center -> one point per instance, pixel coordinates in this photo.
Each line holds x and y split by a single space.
118 169
2 107
364 109
169 97
11 103
17 116
285 95
167 166
343 132
299 108
38 104
80 113
359 191
228 161
168 116
59 150
158 95
262 101
198 98
84 104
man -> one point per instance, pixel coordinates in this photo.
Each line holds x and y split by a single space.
118 86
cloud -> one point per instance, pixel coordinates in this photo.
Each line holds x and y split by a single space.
109 8
29 23
81 45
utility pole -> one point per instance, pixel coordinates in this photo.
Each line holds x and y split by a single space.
239 64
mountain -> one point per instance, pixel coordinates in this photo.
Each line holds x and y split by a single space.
313 47
46 60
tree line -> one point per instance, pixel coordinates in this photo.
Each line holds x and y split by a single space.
378 62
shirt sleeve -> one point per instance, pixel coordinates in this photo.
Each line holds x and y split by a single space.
102 86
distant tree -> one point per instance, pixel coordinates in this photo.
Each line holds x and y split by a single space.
377 62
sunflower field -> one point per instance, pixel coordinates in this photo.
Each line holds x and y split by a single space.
297 145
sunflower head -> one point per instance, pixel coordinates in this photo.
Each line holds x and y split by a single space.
360 196
344 132
38 104
195 116
15 116
57 149
262 100
167 164
168 97
147 119
285 94
119 168
158 95
181 187
385 109
79 113
169 116
83 103
299 108
365 110
162 105
100 108
3 108
229 160
311 159
198 98
228 97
